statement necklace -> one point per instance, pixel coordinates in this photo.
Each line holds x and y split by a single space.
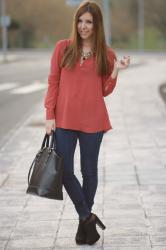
85 55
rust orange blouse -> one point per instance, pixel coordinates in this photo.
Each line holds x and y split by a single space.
75 97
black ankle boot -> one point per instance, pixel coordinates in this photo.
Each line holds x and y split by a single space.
81 234
90 229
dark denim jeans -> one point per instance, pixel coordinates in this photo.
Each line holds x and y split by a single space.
66 140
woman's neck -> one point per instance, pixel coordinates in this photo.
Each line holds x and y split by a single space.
86 45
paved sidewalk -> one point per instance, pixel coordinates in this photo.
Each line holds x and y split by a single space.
131 196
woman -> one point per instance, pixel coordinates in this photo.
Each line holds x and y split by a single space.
83 71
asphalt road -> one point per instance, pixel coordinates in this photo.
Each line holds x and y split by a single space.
23 83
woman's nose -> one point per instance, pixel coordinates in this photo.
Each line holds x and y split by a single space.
83 25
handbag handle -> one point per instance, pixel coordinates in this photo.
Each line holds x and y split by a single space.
45 141
52 144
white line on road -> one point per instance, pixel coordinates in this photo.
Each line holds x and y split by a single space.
35 86
8 85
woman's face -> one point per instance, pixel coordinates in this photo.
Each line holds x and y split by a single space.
85 26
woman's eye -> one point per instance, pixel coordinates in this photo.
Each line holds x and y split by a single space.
88 21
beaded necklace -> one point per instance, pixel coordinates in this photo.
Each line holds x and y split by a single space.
85 55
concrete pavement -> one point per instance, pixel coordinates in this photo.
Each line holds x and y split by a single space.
131 195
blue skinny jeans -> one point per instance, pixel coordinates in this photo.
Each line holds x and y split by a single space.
66 141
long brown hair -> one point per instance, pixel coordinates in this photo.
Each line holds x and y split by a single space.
99 46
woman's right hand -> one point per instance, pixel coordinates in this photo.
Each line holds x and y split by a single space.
50 125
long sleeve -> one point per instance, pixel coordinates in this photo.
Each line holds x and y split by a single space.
53 82
109 83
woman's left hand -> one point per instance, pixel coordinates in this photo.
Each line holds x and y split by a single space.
123 63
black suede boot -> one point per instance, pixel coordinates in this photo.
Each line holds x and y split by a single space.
90 229
81 234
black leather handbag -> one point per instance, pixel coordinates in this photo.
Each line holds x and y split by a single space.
47 171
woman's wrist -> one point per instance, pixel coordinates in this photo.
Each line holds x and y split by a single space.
115 72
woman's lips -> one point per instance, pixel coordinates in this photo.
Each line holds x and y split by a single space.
84 33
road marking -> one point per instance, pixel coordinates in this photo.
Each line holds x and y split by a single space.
8 85
35 86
